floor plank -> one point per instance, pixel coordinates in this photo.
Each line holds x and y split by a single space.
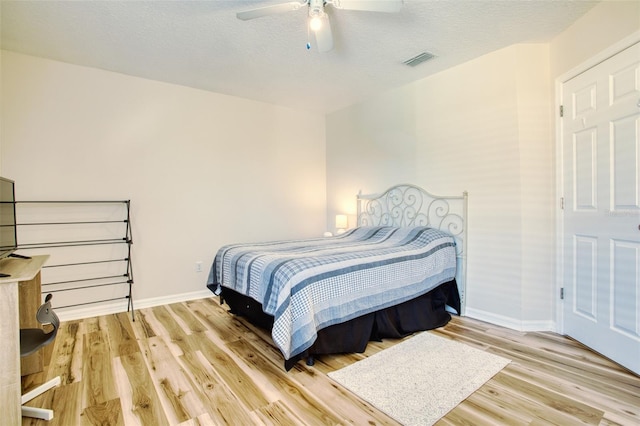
107 413
140 401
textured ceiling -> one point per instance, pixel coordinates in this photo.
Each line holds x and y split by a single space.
201 44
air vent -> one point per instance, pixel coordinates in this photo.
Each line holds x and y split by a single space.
417 60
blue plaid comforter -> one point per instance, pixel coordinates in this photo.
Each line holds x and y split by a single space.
307 285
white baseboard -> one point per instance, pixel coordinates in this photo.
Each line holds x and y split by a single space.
69 314
75 313
512 323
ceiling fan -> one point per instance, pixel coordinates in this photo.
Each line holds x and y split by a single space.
318 18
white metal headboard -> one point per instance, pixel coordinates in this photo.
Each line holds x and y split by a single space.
409 205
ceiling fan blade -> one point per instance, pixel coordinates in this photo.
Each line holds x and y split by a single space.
270 10
324 37
370 5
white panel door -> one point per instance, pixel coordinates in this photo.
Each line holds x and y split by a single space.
601 215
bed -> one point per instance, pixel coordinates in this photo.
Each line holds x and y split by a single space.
400 270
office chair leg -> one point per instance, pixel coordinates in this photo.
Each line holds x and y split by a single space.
38 413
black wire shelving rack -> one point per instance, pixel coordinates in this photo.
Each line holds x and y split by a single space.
78 281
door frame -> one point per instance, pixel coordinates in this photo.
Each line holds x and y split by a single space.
559 82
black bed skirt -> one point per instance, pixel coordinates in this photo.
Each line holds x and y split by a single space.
425 312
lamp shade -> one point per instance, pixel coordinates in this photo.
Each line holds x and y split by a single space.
341 221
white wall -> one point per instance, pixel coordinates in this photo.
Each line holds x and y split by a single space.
479 135
466 129
202 169
370 146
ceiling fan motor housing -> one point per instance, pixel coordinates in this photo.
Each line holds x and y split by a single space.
316 8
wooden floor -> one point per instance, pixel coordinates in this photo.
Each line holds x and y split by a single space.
193 363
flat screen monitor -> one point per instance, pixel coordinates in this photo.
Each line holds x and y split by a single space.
8 233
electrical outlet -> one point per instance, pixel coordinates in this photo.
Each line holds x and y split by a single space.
199 266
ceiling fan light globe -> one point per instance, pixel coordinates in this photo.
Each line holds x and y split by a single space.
315 23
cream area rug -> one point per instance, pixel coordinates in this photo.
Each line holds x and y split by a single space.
421 379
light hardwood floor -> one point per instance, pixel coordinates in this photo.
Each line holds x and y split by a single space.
193 363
